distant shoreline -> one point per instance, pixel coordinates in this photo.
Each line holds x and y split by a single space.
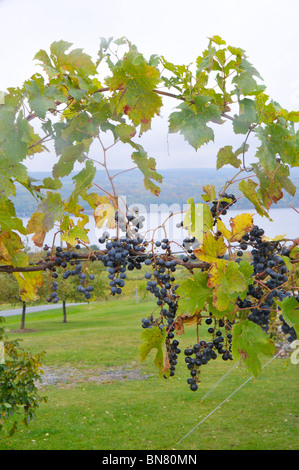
179 184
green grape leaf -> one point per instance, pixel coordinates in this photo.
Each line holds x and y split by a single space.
193 293
79 128
247 270
125 132
226 156
294 252
272 182
210 193
191 121
227 282
248 67
290 312
247 116
153 339
246 84
75 62
46 63
249 341
278 139
51 183
40 105
74 234
8 219
217 40
47 213
148 167
83 179
293 116
69 155
133 83
15 135
248 188
36 93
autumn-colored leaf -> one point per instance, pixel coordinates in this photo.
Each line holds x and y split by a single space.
29 282
104 212
239 224
227 282
211 248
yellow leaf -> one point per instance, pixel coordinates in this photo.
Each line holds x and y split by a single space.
227 281
4 254
104 211
36 225
10 249
74 234
240 225
191 320
276 239
211 248
214 273
223 230
29 284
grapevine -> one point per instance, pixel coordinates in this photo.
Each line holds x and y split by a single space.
268 283
239 284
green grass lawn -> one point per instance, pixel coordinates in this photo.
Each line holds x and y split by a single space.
154 413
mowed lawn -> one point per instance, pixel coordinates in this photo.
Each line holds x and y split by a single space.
147 412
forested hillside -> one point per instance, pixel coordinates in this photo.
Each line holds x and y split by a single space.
178 185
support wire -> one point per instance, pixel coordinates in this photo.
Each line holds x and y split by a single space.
217 407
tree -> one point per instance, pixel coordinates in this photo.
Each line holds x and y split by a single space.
69 290
19 375
76 109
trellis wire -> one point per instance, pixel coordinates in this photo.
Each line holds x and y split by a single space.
217 407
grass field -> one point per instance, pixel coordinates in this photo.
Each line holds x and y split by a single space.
153 413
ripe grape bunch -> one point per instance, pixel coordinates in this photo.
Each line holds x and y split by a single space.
221 206
161 282
270 279
119 256
63 259
202 352
123 253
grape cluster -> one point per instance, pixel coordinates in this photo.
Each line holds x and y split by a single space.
161 283
172 344
173 350
288 330
121 255
63 259
202 352
130 222
270 267
221 207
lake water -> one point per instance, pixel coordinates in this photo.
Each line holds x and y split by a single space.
285 222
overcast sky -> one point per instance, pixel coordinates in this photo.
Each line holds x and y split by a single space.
266 29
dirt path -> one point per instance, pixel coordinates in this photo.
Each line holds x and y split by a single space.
69 376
